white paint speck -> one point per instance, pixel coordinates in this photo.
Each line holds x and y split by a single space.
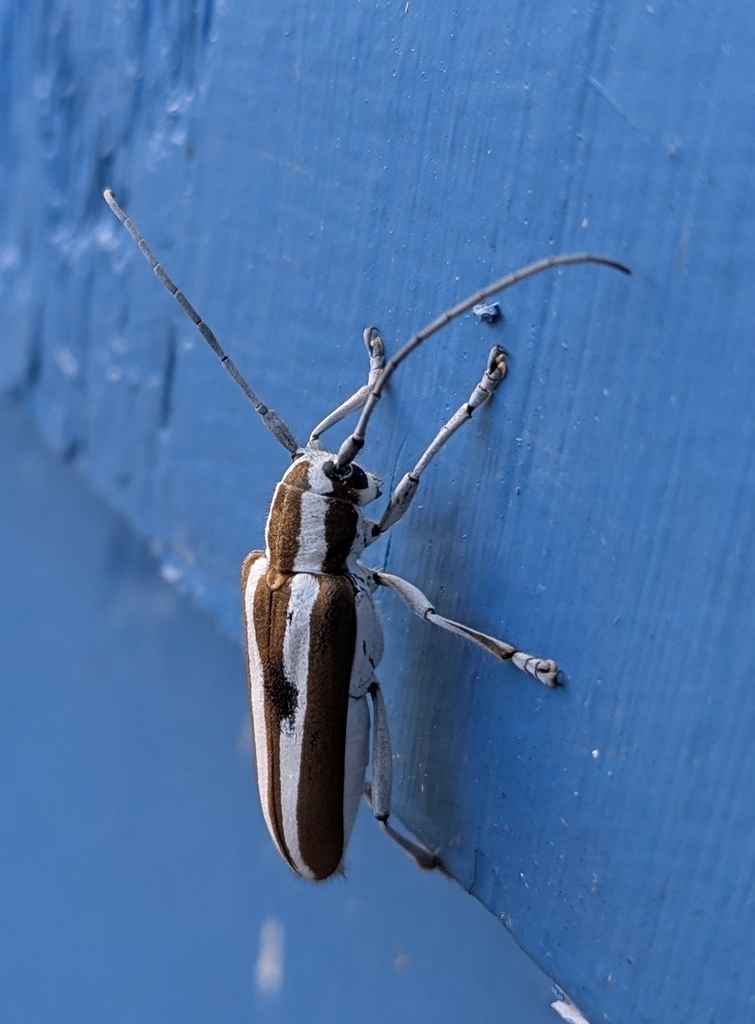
268 971
66 362
568 1011
171 573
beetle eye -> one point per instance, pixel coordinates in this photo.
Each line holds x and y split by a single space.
357 479
351 475
354 477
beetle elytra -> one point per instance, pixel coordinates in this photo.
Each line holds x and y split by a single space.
313 637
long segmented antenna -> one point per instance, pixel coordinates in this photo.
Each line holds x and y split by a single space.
270 418
353 444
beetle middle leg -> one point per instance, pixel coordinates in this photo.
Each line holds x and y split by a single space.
542 669
378 791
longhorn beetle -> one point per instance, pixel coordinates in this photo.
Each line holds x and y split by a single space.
313 637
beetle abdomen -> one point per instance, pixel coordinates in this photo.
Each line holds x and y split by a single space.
301 634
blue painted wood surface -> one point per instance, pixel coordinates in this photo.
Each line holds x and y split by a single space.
138 879
304 171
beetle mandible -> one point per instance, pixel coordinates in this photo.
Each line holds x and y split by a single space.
313 637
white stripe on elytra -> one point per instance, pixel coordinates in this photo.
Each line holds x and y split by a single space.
304 593
257 692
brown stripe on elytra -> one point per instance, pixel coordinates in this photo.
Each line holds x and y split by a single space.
341 522
319 812
283 527
270 613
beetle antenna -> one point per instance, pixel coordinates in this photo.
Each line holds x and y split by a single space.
353 444
270 418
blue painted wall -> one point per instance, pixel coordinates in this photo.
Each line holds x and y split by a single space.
303 172
138 879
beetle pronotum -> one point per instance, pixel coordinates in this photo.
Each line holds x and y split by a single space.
313 637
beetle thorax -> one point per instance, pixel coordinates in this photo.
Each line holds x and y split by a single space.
315 523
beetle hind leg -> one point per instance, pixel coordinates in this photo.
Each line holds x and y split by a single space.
378 792
423 858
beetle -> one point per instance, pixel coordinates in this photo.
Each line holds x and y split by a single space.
313 636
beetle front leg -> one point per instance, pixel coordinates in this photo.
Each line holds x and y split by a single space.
376 350
402 497
378 792
542 669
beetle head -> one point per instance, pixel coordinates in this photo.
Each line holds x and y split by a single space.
316 471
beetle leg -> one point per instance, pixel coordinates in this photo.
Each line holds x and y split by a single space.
401 498
544 670
378 792
374 344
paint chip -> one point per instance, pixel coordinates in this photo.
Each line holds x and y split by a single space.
568 1011
488 312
